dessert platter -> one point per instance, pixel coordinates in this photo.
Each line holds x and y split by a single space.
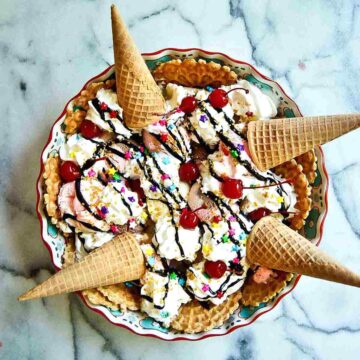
181 193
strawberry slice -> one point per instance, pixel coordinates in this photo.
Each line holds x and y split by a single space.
204 208
150 141
223 148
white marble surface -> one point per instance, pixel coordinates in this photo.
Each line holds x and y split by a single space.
48 49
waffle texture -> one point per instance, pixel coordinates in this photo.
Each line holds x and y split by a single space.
97 298
253 294
194 318
273 142
137 92
52 186
124 297
276 246
190 72
309 163
117 261
292 170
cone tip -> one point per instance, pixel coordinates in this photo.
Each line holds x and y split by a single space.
115 14
24 296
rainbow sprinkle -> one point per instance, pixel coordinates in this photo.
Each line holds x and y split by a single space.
91 173
240 147
225 238
166 160
151 260
111 171
173 276
128 155
205 288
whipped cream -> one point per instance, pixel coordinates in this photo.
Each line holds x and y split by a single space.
161 291
103 119
77 149
214 290
174 242
255 101
101 203
224 241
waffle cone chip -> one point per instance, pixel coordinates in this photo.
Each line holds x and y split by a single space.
276 246
97 298
190 72
52 186
309 163
294 171
253 294
195 318
273 142
137 92
117 261
124 297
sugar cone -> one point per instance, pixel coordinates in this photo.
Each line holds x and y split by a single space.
271 143
117 261
276 246
137 92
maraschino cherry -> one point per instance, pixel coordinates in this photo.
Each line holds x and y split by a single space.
218 98
189 172
188 104
259 213
215 269
189 220
69 171
89 130
233 188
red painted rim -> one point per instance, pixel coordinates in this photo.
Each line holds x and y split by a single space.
260 313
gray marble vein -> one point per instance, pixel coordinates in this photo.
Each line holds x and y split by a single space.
49 49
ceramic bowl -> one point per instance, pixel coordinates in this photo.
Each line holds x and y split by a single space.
140 323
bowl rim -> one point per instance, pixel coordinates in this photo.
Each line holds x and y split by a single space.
39 198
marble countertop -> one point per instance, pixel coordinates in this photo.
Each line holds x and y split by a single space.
49 49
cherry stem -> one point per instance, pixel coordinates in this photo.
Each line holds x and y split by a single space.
239 88
284 212
200 208
168 113
266 186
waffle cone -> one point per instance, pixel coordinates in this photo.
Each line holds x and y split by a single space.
137 92
117 261
276 246
273 142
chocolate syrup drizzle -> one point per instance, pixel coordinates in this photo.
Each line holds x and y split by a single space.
172 199
96 103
